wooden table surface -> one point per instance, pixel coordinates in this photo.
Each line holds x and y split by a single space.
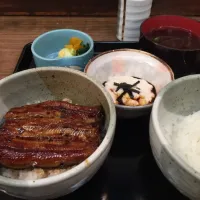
15 32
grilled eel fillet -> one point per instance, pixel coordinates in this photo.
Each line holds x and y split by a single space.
49 134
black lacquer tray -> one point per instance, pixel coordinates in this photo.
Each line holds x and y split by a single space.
130 171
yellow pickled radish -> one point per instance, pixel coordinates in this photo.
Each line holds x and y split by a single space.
72 48
75 41
69 46
77 46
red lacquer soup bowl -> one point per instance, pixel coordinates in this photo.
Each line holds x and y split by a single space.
175 39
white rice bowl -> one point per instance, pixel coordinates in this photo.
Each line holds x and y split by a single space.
175 134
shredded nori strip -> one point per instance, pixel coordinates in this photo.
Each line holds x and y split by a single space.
136 77
136 91
119 98
153 89
104 83
127 88
130 94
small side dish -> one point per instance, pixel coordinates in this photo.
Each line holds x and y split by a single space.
123 68
130 91
49 49
75 47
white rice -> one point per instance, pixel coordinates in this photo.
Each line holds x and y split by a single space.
30 174
186 140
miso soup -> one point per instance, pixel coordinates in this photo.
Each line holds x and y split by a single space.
176 38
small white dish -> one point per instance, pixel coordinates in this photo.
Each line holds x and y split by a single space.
130 62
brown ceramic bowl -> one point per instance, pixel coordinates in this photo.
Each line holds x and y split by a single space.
132 63
56 83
